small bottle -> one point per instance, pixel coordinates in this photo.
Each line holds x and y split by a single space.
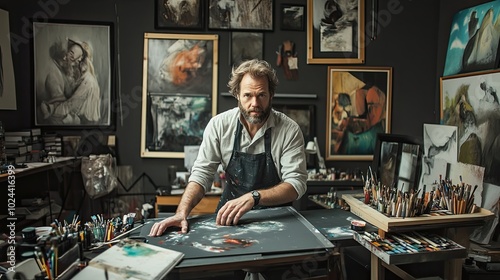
329 195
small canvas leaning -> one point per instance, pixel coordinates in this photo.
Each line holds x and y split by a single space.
130 259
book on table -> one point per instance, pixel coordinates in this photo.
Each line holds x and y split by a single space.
131 259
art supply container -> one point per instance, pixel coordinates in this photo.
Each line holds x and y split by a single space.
98 233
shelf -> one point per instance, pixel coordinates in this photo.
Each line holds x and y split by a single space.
334 183
320 200
388 224
397 256
285 95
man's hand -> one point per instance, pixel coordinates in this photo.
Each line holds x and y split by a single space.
233 210
176 220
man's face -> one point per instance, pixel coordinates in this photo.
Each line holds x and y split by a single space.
254 99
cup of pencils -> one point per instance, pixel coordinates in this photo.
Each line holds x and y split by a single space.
98 233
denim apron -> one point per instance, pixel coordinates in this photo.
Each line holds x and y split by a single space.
248 172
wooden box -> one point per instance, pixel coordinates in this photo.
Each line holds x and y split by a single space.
387 224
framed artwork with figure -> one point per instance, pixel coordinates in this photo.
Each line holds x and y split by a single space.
179 14
73 73
470 102
179 94
246 15
335 32
358 108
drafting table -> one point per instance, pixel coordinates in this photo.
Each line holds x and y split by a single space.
266 237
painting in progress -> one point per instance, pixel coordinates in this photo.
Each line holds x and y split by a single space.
258 232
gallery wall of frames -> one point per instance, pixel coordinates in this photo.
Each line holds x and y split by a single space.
309 45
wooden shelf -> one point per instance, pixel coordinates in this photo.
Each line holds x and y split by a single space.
461 225
387 224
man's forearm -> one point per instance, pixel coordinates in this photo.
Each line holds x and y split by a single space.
192 195
279 194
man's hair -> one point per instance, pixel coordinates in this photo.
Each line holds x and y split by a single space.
256 68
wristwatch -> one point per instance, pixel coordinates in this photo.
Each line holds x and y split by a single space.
256 198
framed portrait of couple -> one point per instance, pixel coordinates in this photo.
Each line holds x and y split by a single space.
72 73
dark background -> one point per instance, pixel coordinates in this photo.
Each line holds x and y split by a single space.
413 41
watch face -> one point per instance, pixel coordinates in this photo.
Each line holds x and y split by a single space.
256 197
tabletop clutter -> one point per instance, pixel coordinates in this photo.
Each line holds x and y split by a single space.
64 243
443 198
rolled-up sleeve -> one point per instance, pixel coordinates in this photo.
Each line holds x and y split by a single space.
208 159
293 160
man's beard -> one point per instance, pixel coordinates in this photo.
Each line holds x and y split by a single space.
255 120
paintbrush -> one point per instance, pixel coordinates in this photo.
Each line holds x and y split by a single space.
470 201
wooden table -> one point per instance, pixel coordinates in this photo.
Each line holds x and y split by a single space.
206 206
322 187
457 227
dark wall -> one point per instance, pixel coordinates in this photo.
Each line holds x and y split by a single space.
409 40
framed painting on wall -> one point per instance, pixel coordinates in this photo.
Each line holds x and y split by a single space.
246 46
179 92
179 14
474 40
293 17
241 15
303 115
7 79
470 102
73 73
335 32
358 108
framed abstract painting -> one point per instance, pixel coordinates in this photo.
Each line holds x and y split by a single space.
358 108
256 15
293 17
303 115
179 91
474 40
470 102
179 14
335 32
246 46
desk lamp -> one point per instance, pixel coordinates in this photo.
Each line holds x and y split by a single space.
313 148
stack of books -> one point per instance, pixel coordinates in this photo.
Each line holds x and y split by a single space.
23 145
53 144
